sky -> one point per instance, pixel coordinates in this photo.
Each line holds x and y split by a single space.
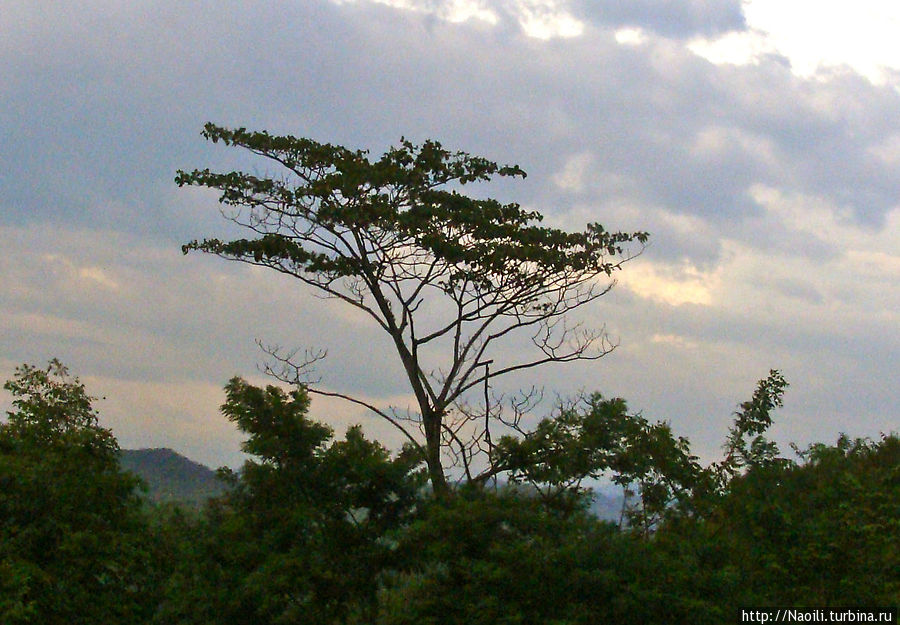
758 142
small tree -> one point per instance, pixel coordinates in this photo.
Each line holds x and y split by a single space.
448 277
596 437
52 409
71 529
304 532
753 419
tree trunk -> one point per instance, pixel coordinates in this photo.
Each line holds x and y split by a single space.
432 423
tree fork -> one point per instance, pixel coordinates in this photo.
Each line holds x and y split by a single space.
431 422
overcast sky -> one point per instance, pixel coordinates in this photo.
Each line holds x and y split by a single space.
758 143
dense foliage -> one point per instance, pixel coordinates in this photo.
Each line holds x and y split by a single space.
74 547
301 537
320 530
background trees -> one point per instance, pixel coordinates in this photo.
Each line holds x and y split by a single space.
824 531
596 437
341 531
73 546
448 277
303 534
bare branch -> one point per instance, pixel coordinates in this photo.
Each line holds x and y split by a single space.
296 374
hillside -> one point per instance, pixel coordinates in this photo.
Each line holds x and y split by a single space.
171 477
606 505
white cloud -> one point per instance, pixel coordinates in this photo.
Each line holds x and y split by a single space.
736 48
455 11
674 340
464 10
630 36
888 150
814 36
546 19
539 19
718 142
574 174
86 276
674 285
819 216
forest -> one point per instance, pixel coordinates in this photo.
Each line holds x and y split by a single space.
482 516
319 530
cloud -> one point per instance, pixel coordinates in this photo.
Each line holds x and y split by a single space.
771 198
680 20
539 19
573 176
671 285
861 35
546 19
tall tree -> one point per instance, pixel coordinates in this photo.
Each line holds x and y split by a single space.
448 277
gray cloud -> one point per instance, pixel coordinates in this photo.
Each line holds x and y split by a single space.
799 290
100 111
683 20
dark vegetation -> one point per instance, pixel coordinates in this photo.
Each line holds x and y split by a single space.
321 530
482 517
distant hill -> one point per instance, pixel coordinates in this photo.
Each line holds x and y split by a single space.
605 502
606 505
172 478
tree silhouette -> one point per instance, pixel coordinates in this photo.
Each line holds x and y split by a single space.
450 278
